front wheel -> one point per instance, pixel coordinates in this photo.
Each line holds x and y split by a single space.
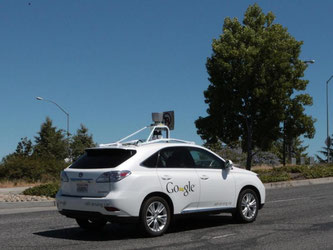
247 206
155 216
91 224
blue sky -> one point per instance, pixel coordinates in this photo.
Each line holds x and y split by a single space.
111 63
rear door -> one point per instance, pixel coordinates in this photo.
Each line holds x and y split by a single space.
83 175
178 178
217 185
82 182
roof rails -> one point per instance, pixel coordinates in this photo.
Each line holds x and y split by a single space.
169 140
155 136
163 122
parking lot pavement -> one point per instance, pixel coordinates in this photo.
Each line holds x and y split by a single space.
293 218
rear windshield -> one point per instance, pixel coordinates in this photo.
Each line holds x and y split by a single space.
102 158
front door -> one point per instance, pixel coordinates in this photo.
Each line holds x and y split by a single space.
217 186
179 178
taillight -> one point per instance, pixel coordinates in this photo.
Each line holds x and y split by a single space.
113 176
63 176
111 209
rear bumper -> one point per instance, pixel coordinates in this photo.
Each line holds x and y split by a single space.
91 206
75 214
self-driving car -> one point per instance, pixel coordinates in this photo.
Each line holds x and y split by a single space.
151 181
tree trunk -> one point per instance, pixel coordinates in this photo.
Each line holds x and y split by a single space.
249 160
249 144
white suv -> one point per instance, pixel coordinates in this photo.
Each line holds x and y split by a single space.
152 181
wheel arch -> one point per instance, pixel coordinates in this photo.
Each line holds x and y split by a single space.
254 189
162 195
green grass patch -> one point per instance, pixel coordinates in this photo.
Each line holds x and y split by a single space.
49 190
273 175
295 173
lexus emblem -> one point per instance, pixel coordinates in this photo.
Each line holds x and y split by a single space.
80 174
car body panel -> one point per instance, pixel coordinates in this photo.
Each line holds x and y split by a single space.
182 186
217 188
187 188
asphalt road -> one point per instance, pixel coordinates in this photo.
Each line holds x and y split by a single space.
293 218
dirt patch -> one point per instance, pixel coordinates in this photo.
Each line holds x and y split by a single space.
297 176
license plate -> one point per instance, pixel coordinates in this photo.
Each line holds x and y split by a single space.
82 187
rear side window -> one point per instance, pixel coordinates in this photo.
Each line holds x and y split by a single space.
102 158
151 161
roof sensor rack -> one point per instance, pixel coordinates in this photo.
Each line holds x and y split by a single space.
159 132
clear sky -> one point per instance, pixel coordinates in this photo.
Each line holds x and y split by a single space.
111 63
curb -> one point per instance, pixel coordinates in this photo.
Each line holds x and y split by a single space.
298 183
27 204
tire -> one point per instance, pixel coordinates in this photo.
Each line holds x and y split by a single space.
155 216
91 224
247 206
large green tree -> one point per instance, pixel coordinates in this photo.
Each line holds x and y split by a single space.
51 142
80 141
254 71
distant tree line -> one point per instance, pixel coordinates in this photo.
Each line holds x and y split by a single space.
47 156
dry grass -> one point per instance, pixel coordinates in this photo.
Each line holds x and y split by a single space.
18 183
262 167
268 167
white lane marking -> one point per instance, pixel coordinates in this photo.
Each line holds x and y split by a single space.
222 236
286 200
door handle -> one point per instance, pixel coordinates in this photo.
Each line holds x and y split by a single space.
166 177
204 177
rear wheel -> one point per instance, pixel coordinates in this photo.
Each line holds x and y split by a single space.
155 216
91 224
247 206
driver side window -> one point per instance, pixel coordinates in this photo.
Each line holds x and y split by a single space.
204 159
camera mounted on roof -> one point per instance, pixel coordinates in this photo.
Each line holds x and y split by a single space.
166 118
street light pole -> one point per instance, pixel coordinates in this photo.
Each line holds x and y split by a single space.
284 125
67 115
327 131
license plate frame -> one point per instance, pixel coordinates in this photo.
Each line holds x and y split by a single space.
82 187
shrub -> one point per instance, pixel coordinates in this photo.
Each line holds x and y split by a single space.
273 175
303 172
49 190
31 169
318 171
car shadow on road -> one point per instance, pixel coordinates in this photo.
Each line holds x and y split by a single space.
194 222
133 231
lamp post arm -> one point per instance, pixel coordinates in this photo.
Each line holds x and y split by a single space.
67 115
57 106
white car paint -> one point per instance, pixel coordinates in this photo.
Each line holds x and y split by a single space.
189 189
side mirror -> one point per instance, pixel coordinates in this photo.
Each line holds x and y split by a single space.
228 164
